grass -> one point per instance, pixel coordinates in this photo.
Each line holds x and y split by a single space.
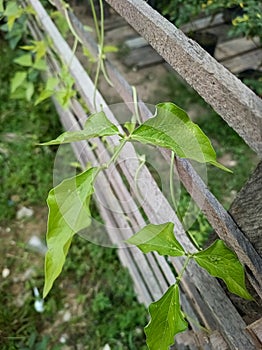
26 170
94 289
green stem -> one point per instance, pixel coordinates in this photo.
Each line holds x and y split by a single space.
101 24
179 277
136 107
70 24
117 152
95 20
142 160
171 185
196 323
100 38
173 199
96 81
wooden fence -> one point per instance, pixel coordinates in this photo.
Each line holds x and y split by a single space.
202 297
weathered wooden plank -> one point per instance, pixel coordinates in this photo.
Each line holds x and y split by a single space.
236 104
135 43
255 329
235 47
245 61
217 342
114 22
202 23
142 57
246 209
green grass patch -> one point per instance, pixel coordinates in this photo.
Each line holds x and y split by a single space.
26 170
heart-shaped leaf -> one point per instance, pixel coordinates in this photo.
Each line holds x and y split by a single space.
24 60
159 238
96 125
220 261
166 321
68 213
172 128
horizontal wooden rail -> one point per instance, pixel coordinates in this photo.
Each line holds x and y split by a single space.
229 97
218 217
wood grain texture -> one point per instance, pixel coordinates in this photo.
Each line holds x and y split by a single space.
246 209
236 104
255 330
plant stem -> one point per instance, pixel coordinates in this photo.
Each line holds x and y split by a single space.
142 160
136 107
171 185
95 20
196 323
173 199
179 277
117 152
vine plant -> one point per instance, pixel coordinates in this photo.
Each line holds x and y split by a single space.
68 203
69 213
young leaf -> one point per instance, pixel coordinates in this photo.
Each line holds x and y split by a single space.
221 262
29 90
159 238
96 125
110 48
51 83
68 213
12 12
166 321
172 128
28 48
64 96
17 80
40 65
43 96
24 60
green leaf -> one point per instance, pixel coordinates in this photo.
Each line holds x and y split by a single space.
12 12
24 60
68 213
49 90
110 48
28 47
172 128
96 125
17 80
45 94
39 47
159 238
166 321
1 5
88 54
40 65
29 90
221 262
51 83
